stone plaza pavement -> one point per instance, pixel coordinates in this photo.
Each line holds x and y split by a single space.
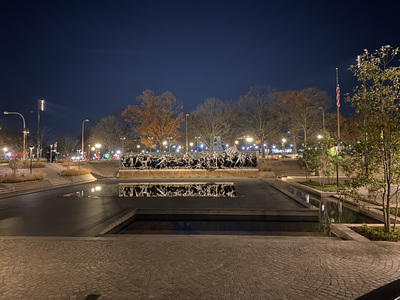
191 266
194 267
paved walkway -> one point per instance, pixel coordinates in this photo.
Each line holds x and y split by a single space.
194 267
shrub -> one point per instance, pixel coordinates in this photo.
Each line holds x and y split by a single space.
376 233
75 172
325 188
12 177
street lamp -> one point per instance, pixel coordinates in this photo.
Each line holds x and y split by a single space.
323 118
186 122
40 107
283 144
83 132
98 146
248 140
23 124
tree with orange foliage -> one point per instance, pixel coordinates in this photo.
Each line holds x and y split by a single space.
300 111
156 118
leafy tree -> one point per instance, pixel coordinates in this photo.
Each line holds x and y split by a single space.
259 113
211 119
375 163
156 118
108 132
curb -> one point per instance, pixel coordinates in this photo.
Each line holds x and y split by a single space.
345 232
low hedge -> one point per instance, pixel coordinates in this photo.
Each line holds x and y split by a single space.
377 233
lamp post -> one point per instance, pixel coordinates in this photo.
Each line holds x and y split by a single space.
83 132
186 121
323 118
98 146
23 124
248 140
40 107
283 145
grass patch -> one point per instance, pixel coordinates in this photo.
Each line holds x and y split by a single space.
264 168
13 178
375 233
75 172
325 188
26 164
71 164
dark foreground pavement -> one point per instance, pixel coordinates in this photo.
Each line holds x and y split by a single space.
194 267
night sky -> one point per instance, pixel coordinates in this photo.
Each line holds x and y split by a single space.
88 59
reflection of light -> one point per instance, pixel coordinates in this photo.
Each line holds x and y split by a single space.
201 146
323 207
118 152
236 142
227 145
95 189
243 148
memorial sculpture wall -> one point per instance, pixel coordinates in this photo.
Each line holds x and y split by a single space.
213 160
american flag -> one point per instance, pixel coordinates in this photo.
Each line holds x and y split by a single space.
338 96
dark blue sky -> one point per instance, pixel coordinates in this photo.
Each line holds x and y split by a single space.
91 58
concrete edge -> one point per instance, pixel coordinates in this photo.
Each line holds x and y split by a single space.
290 195
117 223
29 191
345 232
310 190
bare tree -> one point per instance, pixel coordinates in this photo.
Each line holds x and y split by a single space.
210 119
65 145
259 113
108 131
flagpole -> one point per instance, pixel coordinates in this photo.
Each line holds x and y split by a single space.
338 102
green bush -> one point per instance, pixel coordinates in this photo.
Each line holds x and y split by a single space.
325 188
376 233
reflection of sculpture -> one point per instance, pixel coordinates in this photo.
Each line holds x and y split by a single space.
178 190
214 160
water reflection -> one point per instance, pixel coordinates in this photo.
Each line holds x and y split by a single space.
177 190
